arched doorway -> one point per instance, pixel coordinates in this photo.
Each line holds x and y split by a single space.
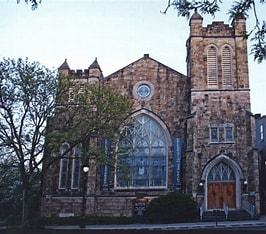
222 176
221 187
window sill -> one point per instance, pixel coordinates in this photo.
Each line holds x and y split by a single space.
222 142
140 188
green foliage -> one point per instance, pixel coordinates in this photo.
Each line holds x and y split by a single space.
170 208
27 101
10 190
11 194
240 7
94 110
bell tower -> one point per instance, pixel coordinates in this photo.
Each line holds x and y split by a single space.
220 128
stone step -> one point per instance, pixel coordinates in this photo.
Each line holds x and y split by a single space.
238 215
220 215
212 216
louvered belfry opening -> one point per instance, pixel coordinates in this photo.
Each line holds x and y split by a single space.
227 66
212 71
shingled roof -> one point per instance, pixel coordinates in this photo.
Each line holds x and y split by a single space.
64 66
95 65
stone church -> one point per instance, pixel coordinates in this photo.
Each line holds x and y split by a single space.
192 133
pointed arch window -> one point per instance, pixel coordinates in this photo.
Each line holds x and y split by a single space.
76 166
142 155
63 173
227 66
212 71
221 172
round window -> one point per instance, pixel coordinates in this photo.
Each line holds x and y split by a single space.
144 90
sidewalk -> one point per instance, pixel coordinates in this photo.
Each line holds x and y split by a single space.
261 222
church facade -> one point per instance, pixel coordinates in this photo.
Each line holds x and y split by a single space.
192 133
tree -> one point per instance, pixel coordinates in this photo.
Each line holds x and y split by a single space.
27 100
10 189
11 192
90 111
34 3
243 7
32 95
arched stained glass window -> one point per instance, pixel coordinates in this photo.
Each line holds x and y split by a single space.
142 155
227 66
212 70
63 173
221 172
76 166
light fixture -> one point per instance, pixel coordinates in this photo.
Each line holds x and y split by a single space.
245 182
85 168
200 184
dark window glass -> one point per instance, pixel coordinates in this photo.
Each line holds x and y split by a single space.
63 174
76 169
214 134
229 134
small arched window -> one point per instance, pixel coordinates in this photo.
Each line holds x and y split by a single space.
227 66
212 71
76 165
63 173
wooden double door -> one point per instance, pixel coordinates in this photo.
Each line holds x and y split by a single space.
220 193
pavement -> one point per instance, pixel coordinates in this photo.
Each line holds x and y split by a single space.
259 223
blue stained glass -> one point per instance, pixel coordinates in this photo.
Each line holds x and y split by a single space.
143 162
144 90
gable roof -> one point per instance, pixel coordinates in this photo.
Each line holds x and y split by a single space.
146 56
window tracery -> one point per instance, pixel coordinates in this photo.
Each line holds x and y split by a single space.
142 155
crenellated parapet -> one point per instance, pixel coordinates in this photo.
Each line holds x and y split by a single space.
93 73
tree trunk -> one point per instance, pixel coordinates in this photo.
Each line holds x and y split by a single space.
25 207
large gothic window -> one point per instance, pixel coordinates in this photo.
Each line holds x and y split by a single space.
142 155
212 71
227 66
63 173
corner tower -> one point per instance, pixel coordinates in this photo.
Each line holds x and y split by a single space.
221 128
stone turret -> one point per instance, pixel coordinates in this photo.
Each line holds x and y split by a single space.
64 68
95 70
195 24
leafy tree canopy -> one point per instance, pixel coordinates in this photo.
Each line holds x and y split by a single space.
32 96
27 100
89 110
244 7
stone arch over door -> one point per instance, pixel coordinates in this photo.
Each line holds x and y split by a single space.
232 181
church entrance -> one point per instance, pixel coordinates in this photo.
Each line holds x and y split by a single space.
221 187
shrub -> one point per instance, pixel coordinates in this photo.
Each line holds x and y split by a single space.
173 207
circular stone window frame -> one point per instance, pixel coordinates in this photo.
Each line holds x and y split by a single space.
136 87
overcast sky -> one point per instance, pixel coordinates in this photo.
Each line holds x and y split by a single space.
117 32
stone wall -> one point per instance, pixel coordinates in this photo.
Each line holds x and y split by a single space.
167 103
187 108
220 105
